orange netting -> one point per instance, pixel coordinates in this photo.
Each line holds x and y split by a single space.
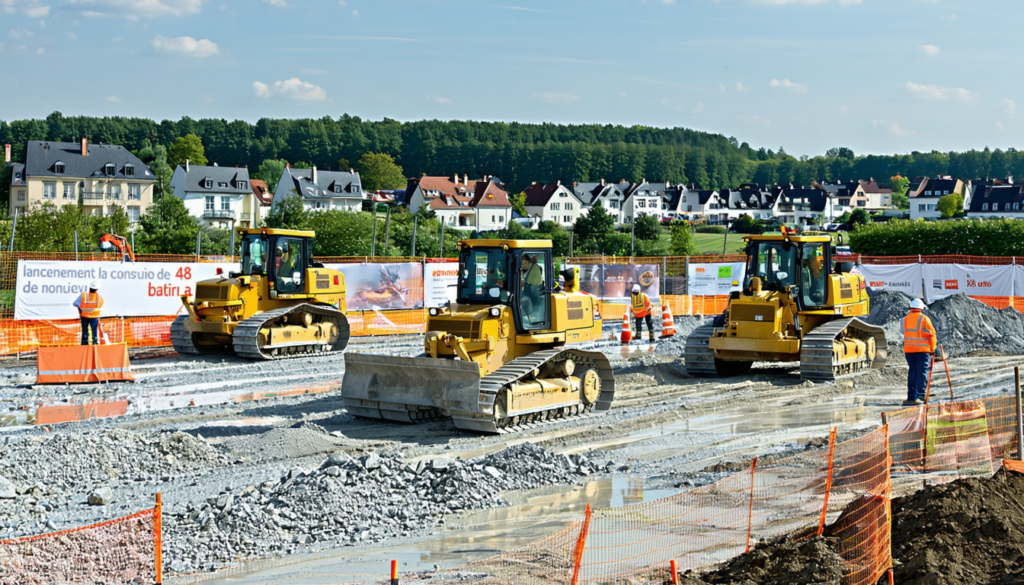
123 550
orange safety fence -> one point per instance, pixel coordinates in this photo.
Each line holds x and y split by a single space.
969 437
845 486
122 550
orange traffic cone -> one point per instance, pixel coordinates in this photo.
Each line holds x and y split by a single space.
627 333
668 327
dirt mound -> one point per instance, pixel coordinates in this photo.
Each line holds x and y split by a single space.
970 531
810 561
964 325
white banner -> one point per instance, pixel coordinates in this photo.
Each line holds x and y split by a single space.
715 279
905 278
1018 280
438 283
46 288
943 280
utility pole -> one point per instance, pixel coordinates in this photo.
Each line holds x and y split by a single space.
373 246
415 219
725 236
14 228
632 237
199 241
570 243
76 246
387 232
440 254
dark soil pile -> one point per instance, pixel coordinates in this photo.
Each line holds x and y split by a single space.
812 561
968 532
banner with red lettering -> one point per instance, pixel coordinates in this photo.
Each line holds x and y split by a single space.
905 278
943 280
46 289
439 283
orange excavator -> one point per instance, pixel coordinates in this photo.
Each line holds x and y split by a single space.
109 241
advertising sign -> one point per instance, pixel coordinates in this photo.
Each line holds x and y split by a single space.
615 281
382 287
439 284
905 278
715 279
46 289
943 280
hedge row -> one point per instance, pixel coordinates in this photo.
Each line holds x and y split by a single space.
991 237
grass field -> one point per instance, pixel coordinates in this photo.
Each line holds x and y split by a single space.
734 245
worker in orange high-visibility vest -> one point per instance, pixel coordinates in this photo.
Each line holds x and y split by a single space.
640 304
919 343
89 305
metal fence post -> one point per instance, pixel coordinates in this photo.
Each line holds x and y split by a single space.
158 537
373 245
76 246
1020 412
387 232
14 228
664 275
415 220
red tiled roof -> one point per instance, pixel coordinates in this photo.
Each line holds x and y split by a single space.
260 190
443 184
872 187
489 194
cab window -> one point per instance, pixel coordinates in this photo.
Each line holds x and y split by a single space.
483 275
533 298
254 255
813 275
288 265
775 264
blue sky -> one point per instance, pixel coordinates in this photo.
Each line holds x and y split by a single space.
879 76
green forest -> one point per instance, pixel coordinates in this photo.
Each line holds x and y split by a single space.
518 153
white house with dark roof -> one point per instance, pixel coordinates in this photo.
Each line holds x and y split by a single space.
924 194
643 198
219 196
322 190
613 197
553 202
105 177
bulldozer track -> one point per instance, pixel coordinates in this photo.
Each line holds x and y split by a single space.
699 358
817 360
246 335
182 339
490 385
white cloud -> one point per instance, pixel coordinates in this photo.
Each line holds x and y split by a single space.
32 8
136 9
950 18
792 85
185 46
21 33
843 110
721 87
698 108
893 127
355 13
739 87
439 99
555 98
113 99
278 3
1 47
40 51
930 50
342 3
204 98
938 92
293 88
71 36
1009 106
999 126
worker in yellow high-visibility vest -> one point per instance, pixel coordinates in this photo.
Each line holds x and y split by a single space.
89 305
640 305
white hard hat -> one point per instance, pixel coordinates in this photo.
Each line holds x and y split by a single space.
917 304
94 285
636 288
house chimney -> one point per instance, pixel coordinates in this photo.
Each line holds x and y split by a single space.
7 153
186 165
602 182
352 172
314 174
559 183
85 146
456 179
465 179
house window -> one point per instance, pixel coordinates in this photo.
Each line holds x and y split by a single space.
113 191
946 192
241 185
21 195
984 206
58 168
129 170
921 207
109 170
49 190
69 191
568 206
208 183
1006 207
689 208
225 203
641 203
494 219
222 184
927 192
556 206
931 207
1016 206
563 195
209 203
337 188
134 213
567 219
134 192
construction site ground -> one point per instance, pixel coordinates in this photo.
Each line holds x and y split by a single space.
214 434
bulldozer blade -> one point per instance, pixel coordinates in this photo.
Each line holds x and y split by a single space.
409 389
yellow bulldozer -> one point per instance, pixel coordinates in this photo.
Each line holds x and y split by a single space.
796 304
497 359
281 304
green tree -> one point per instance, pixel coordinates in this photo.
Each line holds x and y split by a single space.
156 158
289 214
900 186
592 226
647 228
167 228
379 171
425 212
745 224
950 205
519 203
859 217
188 148
682 239
270 172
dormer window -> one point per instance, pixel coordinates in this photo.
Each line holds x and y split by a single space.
223 184
129 170
208 183
337 188
241 185
109 170
58 168
984 206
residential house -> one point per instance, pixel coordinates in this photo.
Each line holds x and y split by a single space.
219 196
493 209
704 204
800 205
843 197
461 203
553 202
322 190
749 199
105 177
924 194
643 198
877 198
997 199
264 202
612 197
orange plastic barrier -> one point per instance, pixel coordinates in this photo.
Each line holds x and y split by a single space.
123 550
83 363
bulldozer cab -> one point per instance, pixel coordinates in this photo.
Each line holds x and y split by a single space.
281 255
799 265
496 272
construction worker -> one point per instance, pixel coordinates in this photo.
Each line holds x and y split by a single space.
640 304
919 343
89 305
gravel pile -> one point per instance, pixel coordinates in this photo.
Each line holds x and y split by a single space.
293 442
347 501
964 325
